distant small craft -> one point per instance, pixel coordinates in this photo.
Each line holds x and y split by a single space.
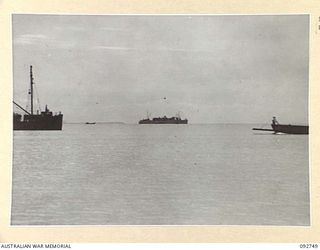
285 128
90 123
164 120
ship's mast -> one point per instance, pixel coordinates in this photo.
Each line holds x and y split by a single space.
31 89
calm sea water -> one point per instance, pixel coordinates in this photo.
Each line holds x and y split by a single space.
113 174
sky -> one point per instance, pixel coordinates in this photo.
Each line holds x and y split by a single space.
209 68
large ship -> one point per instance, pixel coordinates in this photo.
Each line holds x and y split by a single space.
164 120
286 128
43 120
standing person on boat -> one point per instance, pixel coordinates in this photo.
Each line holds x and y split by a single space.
274 121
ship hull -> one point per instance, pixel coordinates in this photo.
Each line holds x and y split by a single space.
38 122
164 122
44 120
290 129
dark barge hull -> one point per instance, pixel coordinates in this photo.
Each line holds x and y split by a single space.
290 129
38 122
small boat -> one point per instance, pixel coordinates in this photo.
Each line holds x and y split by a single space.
90 123
285 128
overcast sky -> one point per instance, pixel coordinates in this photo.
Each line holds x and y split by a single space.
213 69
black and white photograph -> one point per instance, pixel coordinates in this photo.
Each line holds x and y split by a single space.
160 120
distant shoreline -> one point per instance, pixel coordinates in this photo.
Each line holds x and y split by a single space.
94 122
217 123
